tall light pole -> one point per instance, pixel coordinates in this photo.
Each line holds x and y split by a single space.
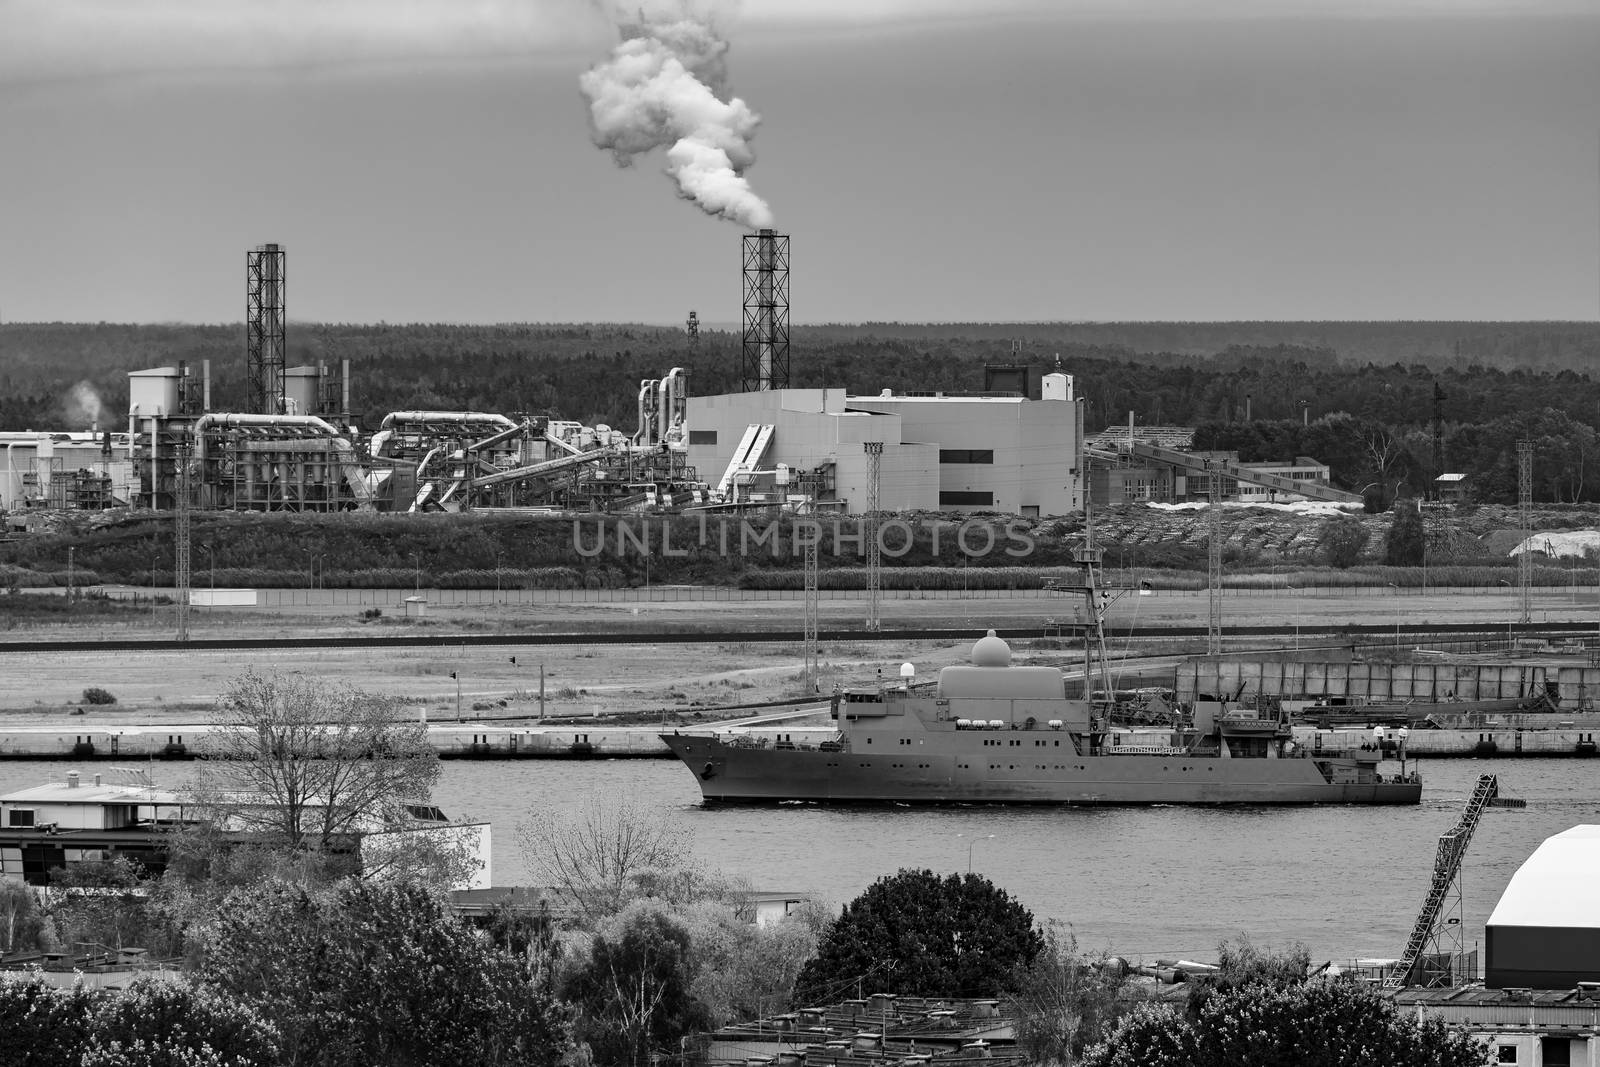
211 560
1294 591
975 838
1396 588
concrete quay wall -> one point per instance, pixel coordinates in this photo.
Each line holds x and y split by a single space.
453 741
1479 743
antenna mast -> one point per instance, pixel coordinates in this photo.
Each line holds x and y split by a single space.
874 450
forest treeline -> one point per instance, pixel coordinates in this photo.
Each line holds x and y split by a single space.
1367 388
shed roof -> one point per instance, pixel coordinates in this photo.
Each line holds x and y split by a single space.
62 793
1555 887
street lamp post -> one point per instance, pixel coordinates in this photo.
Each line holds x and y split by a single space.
497 557
1294 591
975 838
211 559
1396 588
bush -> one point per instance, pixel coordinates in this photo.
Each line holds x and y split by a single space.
1342 541
95 695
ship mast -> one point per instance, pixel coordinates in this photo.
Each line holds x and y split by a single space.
1094 634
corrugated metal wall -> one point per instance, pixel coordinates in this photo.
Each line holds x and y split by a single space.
1577 685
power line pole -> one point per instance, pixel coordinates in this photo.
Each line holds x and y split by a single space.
1214 559
1525 514
181 539
874 450
811 613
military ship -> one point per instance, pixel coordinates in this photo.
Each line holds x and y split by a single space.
992 732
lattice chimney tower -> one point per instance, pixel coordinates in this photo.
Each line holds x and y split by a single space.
265 336
766 311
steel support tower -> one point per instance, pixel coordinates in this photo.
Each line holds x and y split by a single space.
1525 515
266 351
691 328
766 311
1214 560
811 612
180 538
874 450
1439 932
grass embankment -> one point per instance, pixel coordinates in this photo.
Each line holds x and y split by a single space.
389 551
18 609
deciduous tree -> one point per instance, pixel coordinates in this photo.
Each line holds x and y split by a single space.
379 973
306 764
605 852
1315 1024
918 933
1066 1003
633 992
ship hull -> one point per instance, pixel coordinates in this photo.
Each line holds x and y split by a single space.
735 773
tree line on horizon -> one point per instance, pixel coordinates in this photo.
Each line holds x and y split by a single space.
1368 388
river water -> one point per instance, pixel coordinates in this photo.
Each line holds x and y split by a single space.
1140 882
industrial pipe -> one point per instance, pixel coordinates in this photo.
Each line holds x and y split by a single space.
497 438
669 401
641 436
444 416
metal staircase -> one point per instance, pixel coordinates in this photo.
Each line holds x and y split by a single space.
1446 871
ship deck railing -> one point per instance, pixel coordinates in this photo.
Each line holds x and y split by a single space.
833 744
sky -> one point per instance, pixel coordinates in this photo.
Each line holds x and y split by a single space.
932 160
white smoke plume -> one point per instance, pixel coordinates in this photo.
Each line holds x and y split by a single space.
82 405
665 86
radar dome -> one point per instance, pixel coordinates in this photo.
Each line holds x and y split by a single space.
991 651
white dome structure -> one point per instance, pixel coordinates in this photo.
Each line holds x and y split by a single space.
1545 931
991 651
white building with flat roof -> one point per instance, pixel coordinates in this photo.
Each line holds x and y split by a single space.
941 452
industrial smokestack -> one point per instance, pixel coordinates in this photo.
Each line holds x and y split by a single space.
665 87
766 311
764 242
266 348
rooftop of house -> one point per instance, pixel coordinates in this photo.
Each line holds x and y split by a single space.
948 1031
75 792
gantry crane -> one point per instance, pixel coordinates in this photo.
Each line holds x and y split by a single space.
1445 890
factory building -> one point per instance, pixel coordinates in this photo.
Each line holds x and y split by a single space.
999 451
87 471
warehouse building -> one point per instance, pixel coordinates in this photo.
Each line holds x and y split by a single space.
1000 450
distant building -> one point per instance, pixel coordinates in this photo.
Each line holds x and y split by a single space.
1451 488
879 1029
1145 472
59 824
999 451
1539 1005
86 471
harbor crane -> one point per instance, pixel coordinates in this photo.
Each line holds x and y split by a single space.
1430 938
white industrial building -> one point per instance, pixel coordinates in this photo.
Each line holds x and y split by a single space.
59 469
1545 931
941 452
